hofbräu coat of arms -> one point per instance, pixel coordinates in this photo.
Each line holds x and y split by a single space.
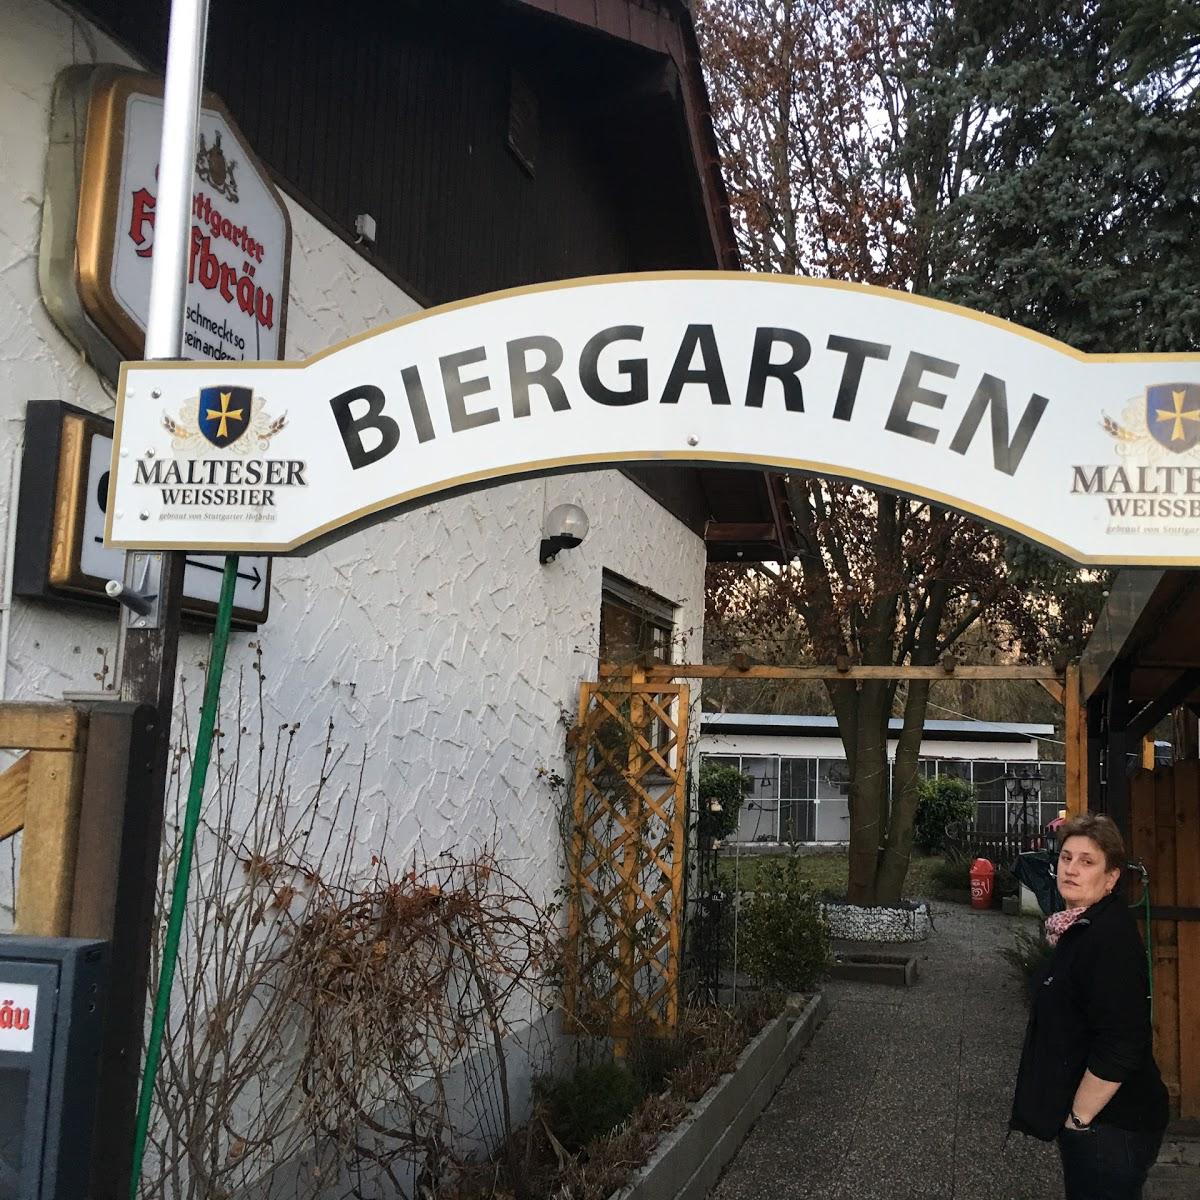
215 169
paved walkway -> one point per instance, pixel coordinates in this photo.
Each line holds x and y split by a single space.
905 1093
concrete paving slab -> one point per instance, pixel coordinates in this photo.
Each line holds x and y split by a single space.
904 1094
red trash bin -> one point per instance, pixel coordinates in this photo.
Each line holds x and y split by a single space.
983 880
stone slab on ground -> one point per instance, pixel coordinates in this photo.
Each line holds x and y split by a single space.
1176 1176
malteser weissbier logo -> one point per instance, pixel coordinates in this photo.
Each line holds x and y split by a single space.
1155 488
214 466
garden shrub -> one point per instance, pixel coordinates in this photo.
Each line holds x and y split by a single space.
1028 954
783 937
729 787
589 1103
941 801
1007 884
653 1059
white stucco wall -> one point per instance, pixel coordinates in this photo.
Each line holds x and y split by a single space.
443 651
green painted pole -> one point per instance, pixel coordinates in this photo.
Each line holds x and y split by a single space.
183 868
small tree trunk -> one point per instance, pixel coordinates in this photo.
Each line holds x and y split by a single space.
868 791
893 867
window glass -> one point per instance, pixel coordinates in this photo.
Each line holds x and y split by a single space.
633 622
833 779
757 820
764 772
719 760
797 778
833 821
797 821
990 817
988 777
760 809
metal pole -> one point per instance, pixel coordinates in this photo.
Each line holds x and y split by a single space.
183 867
147 649
176 168
145 652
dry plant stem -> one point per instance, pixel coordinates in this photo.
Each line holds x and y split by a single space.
221 1118
321 1008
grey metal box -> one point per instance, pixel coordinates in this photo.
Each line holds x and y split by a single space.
51 1017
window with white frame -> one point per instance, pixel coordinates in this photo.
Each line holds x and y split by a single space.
797 799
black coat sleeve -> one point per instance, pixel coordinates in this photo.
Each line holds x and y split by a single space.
1116 1005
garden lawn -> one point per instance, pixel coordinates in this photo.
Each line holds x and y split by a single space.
827 872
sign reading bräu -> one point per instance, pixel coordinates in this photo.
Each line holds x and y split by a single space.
1095 457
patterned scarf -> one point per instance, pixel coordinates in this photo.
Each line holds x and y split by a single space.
1058 923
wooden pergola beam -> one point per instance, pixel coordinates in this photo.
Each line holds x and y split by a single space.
662 672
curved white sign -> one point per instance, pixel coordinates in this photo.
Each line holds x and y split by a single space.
1094 456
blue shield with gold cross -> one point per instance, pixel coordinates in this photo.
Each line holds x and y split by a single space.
1173 415
224 413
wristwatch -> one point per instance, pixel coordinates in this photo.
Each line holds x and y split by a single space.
1076 1123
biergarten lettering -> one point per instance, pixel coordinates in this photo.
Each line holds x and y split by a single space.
697 373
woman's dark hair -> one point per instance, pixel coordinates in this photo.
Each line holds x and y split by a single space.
1103 831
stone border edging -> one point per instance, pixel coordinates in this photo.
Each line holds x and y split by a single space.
689 1159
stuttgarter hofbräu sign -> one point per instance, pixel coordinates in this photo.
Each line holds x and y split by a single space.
1094 456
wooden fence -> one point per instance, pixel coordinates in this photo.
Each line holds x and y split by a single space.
1000 848
40 794
1165 823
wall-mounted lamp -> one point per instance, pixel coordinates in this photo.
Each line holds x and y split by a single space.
714 806
566 526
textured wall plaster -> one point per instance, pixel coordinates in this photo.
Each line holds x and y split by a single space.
442 650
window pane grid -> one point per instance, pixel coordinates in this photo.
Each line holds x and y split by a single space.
798 799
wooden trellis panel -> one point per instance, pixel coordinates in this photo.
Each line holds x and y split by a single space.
627 848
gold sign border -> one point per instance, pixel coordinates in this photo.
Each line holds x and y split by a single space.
99 204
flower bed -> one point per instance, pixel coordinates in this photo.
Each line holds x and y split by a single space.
692 1156
677 1140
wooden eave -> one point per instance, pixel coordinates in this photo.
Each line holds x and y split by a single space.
1149 631
666 28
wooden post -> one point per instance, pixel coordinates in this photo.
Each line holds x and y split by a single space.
1116 798
1093 733
1148 752
117 837
1187 888
1075 737
1164 935
678 823
1186 733
631 863
40 794
575 866
48 847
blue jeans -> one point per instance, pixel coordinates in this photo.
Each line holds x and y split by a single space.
1106 1163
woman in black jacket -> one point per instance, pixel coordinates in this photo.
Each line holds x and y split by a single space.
1087 1076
